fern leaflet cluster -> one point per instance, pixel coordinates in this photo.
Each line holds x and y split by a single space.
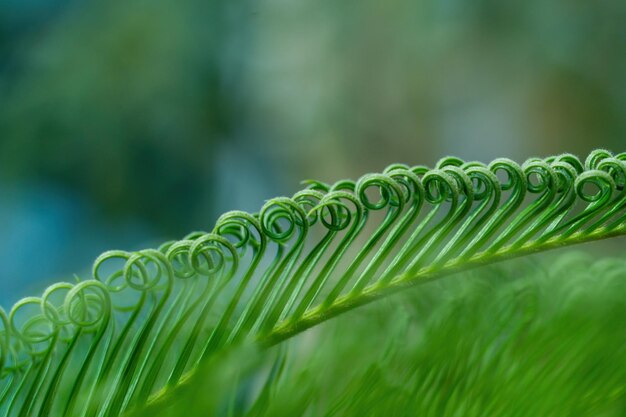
145 320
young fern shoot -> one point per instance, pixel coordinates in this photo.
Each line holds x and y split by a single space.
146 320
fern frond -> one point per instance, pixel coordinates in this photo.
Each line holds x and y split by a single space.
522 338
147 319
531 337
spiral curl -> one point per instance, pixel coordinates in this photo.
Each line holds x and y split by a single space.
412 187
178 256
308 199
208 258
484 182
566 175
389 192
603 182
339 215
241 225
286 210
37 332
56 315
88 305
540 177
439 186
595 157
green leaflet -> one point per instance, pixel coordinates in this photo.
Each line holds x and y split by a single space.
148 319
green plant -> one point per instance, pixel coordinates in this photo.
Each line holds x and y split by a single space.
147 329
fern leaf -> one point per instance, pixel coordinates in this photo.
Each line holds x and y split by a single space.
146 320
529 337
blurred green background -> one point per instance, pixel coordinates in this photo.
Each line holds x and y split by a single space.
126 123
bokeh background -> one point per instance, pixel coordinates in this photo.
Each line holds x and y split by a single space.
124 123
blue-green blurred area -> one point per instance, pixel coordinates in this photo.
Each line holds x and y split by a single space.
126 123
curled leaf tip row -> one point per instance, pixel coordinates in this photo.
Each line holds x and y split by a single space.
259 272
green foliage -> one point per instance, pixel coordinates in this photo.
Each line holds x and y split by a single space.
523 338
149 322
